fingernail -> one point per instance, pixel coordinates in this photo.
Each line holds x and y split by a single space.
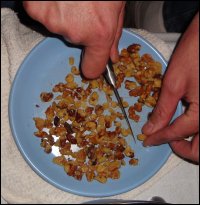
146 144
148 128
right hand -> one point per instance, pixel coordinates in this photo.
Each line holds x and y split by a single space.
96 25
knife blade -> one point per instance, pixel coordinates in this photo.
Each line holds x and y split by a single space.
110 77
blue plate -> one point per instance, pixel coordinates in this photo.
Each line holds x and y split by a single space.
45 66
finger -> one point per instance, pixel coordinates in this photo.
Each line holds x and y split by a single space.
31 7
94 61
114 53
187 149
171 93
182 127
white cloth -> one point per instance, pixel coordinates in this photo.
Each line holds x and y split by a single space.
19 184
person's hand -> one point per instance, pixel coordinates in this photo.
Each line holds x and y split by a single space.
95 24
181 81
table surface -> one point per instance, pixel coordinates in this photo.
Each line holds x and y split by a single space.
186 187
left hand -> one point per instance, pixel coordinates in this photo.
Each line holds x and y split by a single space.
97 25
181 81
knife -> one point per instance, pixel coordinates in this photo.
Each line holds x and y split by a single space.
110 77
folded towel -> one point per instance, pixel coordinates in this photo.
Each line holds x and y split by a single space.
18 182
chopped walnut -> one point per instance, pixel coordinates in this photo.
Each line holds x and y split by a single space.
141 137
46 97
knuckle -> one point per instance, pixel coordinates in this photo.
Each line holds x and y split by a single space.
52 27
30 9
159 114
105 33
171 87
192 117
51 23
74 37
172 133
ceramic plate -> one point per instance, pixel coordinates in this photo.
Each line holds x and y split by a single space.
47 65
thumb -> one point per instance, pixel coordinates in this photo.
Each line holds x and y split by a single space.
182 127
94 61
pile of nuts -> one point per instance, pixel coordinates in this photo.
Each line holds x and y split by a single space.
147 74
76 117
